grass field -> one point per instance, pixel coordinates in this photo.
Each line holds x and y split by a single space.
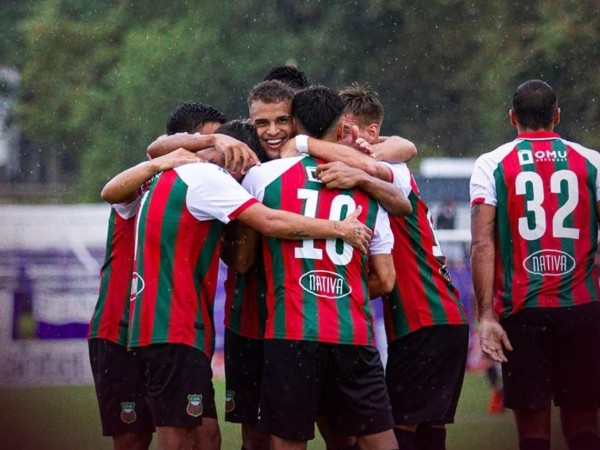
66 418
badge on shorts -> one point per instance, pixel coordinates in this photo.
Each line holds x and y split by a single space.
194 406
229 401
128 414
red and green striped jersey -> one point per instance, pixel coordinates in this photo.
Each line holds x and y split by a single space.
245 307
423 294
109 320
545 190
177 255
316 289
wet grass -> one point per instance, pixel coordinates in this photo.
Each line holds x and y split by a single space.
67 418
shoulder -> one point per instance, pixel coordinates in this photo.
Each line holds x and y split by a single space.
270 170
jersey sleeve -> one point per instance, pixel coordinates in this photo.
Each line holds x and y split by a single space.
482 184
129 209
593 157
383 239
401 177
213 193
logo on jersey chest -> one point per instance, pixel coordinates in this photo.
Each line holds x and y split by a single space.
529 157
324 283
549 263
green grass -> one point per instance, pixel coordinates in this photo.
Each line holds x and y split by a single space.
66 418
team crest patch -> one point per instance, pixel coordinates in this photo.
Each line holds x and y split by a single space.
128 414
194 406
229 400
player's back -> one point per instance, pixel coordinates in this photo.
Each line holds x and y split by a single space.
546 191
423 294
316 289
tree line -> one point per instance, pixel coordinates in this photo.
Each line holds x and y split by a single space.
99 77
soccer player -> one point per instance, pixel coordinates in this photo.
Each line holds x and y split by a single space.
123 411
171 329
534 224
426 325
318 346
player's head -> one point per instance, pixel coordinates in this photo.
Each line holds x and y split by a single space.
190 117
246 133
362 108
317 111
270 106
288 74
535 106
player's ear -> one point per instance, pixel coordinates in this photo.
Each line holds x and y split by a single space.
556 117
373 132
513 117
340 131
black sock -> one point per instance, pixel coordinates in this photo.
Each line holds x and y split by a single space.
534 444
430 438
585 440
405 438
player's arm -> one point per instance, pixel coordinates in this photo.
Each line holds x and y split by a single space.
287 225
394 149
382 275
125 186
332 151
239 246
219 149
341 176
492 336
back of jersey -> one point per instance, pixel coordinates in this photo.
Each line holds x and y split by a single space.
545 190
316 289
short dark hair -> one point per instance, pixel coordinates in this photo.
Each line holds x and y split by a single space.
245 132
317 109
288 74
189 116
534 104
272 91
363 103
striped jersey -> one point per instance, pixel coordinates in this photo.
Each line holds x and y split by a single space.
109 320
177 255
545 190
245 307
317 290
423 294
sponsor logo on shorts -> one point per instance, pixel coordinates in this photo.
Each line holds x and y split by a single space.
194 406
229 400
324 283
128 414
549 263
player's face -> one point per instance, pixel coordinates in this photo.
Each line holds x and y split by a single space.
208 128
274 125
348 121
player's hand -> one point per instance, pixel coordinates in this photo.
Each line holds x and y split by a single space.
236 155
337 175
289 149
493 340
174 159
356 233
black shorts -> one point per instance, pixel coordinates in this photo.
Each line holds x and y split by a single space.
302 379
178 384
119 390
243 377
555 355
425 372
